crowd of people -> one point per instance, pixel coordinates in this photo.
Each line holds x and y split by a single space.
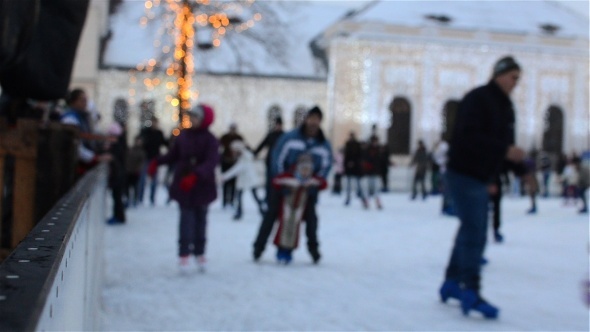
472 171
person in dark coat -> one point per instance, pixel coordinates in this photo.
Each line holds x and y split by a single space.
495 201
384 169
530 180
195 155
420 160
153 139
133 166
371 164
268 143
482 140
118 149
353 154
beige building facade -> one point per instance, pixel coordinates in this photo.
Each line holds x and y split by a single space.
429 67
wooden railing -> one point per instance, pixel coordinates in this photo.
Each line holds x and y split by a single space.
37 167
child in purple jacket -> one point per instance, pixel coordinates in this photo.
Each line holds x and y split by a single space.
194 156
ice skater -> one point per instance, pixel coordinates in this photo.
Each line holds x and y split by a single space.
483 138
195 154
307 139
293 188
246 177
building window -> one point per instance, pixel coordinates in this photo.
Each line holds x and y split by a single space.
299 117
448 118
553 134
398 136
274 113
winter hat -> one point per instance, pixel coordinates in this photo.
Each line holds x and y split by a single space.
505 65
315 111
205 113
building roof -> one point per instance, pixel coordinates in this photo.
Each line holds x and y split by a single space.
513 17
287 29
290 31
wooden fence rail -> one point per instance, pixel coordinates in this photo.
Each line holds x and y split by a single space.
37 167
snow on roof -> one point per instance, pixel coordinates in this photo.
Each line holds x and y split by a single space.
296 24
292 25
520 17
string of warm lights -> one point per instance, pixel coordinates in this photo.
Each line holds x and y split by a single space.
177 40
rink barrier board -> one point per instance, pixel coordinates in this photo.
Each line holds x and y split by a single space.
52 280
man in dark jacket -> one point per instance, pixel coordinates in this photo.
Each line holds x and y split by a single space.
269 142
307 139
153 139
420 160
483 139
353 154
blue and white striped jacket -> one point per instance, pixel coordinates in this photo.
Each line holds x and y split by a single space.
294 143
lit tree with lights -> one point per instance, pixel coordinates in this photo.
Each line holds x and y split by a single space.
184 20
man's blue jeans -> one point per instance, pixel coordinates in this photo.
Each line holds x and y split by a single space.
470 197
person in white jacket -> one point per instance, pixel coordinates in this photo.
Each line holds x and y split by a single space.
247 177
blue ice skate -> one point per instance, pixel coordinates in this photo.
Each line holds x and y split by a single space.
450 289
499 238
471 301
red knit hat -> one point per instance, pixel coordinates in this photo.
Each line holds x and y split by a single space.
205 113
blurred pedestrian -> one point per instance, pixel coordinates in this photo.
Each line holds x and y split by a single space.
385 163
371 163
117 172
500 180
246 177
268 143
546 168
571 177
353 154
420 162
530 180
228 159
583 183
153 140
483 138
440 158
338 171
134 164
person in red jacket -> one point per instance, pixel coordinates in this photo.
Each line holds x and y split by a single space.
194 156
294 187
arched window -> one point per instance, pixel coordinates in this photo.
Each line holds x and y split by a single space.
121 110
553 134
448 118
274 113
398 136
147 109
299 117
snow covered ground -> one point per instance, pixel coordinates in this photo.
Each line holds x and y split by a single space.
380 270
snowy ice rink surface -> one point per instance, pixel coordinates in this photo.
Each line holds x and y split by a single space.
380 271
